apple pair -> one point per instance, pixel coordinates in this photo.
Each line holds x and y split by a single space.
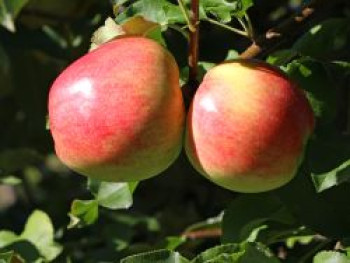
117 114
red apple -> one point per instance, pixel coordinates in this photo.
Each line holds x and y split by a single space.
117 113
247 127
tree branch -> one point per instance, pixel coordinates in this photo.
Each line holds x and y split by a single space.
291 26
189 89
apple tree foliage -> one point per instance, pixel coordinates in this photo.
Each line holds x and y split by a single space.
50 214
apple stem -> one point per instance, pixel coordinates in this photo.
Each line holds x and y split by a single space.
275 36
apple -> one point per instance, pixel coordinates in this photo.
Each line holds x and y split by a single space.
247 126
117 113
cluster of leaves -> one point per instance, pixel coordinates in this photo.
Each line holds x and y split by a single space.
306 220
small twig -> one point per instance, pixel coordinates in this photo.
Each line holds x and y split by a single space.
244 26
250 26
193 48
186 15
207 233
276 35
235 30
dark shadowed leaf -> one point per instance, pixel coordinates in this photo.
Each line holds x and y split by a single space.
36 240
26 251
17 159
249 215
320 86
329 160
281 57
9 257
325 40
308 206
5 73
237 253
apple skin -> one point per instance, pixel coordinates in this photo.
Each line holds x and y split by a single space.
247 127
117 113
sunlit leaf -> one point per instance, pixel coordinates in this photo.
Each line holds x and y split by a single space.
331 257
40 232
83 212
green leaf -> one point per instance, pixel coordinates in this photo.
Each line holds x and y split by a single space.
159 11
330 257
26 252
120 2
10 257
105 33
304 240
332 178
329 160
112 195
115 195
321 88
10 180
224 10
281 57
173 242
9 10
156 34
131 220
256 252
83 213
309 207
325 40
236 253
6 257
40 232
249 215
229 252
160 256
232 54
212 222
7 238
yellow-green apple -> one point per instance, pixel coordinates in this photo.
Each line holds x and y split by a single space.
247 126
117 113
